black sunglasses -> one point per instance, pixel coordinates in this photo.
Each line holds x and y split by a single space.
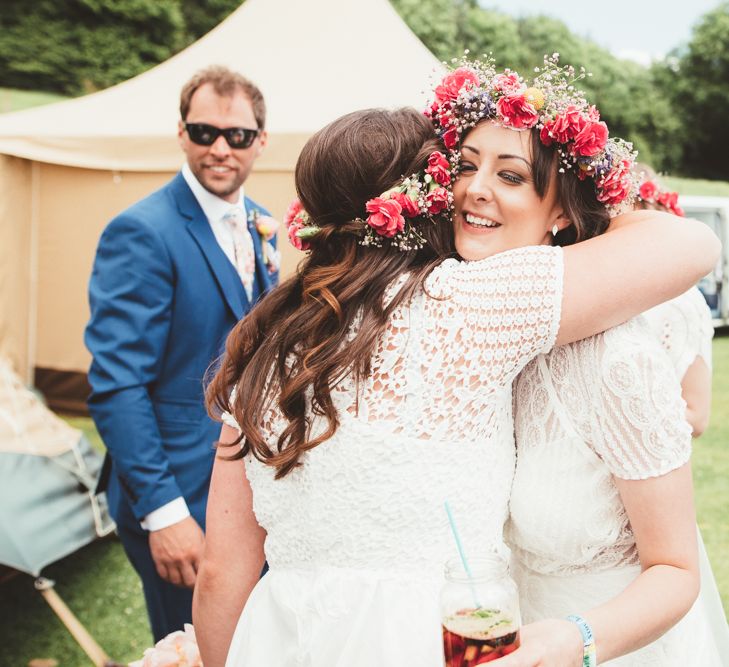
205 135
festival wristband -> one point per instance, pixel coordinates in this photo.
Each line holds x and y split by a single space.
589 655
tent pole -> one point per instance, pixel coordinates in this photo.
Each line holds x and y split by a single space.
73 625
32 340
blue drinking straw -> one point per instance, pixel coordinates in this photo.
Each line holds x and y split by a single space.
461 553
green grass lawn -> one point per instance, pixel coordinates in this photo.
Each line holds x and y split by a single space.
696 186
711 473
14 100
103 591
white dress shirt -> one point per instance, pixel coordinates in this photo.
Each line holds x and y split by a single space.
214 209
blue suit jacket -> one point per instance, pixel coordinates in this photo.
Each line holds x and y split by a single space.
163 298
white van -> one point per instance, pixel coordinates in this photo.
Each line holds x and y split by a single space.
714 211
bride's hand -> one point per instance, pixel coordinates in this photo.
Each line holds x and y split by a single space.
549 643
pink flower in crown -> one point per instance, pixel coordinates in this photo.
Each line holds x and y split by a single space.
452 84
437 201
507 83
516 112
564 127
591 139
670 201
614 187
450 137
294 227
385 216
295 207
648 190
409 206
592 113
439 168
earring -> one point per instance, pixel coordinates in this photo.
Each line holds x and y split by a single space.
555 229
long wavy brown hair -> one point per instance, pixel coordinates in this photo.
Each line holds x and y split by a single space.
292 348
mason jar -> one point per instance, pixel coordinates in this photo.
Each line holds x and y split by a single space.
480 612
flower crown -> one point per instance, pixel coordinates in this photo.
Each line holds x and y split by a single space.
651 193
475 91
393 214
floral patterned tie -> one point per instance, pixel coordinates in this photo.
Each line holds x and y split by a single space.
245 256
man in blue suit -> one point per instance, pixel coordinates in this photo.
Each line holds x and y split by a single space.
172 276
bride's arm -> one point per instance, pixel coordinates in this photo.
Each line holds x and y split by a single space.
662 516
661 513
226 576
646 258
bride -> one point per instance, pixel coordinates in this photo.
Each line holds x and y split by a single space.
374 385
602 524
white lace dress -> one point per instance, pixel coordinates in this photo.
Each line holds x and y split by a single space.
608 406
683 326
357 536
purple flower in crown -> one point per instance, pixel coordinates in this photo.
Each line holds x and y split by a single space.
594 167
477 107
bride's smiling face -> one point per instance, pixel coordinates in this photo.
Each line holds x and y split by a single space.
497 206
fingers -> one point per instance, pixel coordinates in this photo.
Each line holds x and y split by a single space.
176 552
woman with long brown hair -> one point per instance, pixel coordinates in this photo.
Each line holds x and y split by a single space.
374 385
601 510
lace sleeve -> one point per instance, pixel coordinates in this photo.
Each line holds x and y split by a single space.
637 426
704 327
226 417
684 327
492 316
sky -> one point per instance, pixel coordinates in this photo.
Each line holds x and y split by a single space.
640 30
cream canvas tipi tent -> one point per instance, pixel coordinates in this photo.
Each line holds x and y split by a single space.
67 168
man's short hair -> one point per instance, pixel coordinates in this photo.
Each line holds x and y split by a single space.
225 82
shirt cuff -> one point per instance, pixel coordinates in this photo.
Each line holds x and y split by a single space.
173 512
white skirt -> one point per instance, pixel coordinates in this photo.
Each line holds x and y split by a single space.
336 617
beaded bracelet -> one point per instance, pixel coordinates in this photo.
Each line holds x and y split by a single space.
589 656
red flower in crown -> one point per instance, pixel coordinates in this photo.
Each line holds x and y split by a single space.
409 206
439 168
450 137
647 190
564 127
437 201
591 139
614 187
452 84
507 83
516 112
385 216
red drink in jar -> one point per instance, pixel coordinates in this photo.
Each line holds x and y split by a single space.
477 636
479 612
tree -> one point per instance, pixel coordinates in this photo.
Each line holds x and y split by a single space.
76 46
202 16
698 82
434 22
483 32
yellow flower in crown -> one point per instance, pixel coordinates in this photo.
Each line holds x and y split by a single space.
474 91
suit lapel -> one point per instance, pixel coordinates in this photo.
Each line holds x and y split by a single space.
219 264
